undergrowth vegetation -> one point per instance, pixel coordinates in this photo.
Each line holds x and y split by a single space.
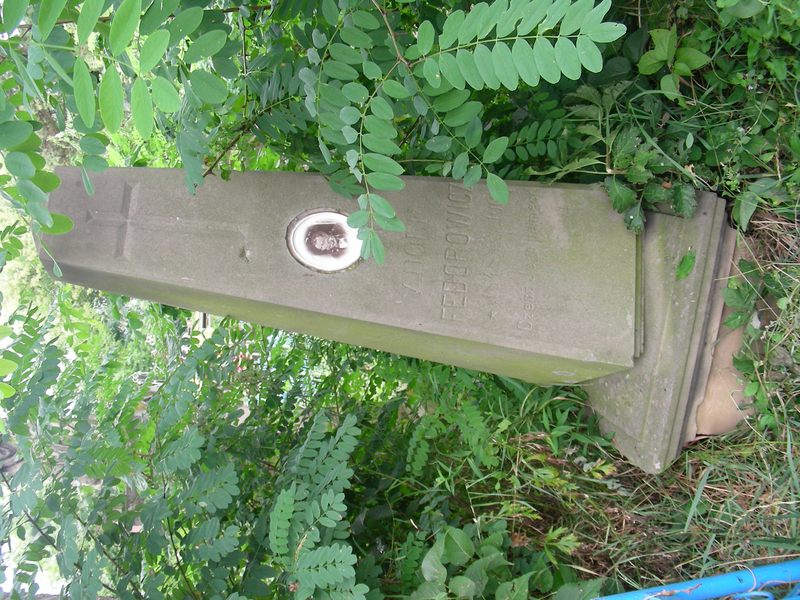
151 459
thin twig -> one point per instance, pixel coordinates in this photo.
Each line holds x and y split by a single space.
178 560
399 54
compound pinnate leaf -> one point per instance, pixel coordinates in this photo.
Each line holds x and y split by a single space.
425 36
504 66
89 14
605 32
497 188
525 61
385 181
567 58
589 54
452 26
83 90
205 46
20 165
124 25
13 11
546 60
495 150
153 50
111 99
165 96
49 11
142 108
575 16
208 87
485 65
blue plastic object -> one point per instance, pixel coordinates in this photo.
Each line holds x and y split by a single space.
748 584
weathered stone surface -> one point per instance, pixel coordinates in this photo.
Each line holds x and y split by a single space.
650 408
543 289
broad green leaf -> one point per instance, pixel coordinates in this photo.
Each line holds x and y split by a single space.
497 188
432 568
380 205
379 254
382 164
91 145
744 207
89 13
61 224
694 59
165 96
371 70
525 61
665 42
350 115
184 23
205 46
485 65
394 224
355 92
365 20
385 181
589 54
110 96
495 150
463 114
345 54
358 219
425 35
355 37
6 391
458 546
473 175
491 17
567 58
554 14
49 11
546 60
380 127
685 266
650 63
595 16
379 144
395 89
504 66
46 181
448 66
95 163
83 89
684 200
381 108
472 23
13 133
20 165
208 87
7 367
574 17
13 11
460 165
669 85
330 12
339 70
605 32
153 50
450 100
142 108
462 587
37 201
466 63
622 197
5 331
440 143
452 26
430 69
124 25
533 15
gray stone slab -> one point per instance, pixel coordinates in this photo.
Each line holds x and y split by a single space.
543 289
649 407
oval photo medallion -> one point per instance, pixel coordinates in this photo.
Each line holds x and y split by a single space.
322 240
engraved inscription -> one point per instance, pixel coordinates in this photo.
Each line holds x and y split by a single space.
458 222
412 262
